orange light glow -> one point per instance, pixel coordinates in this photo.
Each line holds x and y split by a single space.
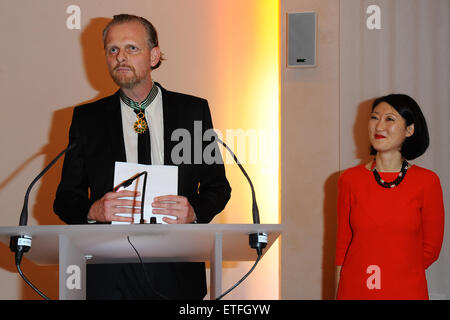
248 74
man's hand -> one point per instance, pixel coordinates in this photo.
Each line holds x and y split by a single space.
177 206
106 208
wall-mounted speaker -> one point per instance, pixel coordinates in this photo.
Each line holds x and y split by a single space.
301 39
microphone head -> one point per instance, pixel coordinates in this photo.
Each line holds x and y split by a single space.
71 146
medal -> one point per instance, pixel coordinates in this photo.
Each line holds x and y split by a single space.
140 126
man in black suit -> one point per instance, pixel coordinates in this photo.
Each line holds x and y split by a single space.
136 125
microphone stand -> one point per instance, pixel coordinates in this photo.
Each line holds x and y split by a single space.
142 221
257 240
128 182
22 243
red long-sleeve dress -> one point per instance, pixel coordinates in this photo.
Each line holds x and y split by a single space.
386 238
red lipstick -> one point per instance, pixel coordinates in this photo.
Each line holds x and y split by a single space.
379 136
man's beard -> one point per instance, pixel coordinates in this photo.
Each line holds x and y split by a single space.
126 81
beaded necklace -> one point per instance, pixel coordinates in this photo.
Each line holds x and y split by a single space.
396 182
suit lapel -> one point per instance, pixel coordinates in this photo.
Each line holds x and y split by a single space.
169 123
115 128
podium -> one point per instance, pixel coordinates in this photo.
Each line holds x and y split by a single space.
74 246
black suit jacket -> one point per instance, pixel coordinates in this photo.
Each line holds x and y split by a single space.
88 169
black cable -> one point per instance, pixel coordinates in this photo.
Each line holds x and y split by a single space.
254 238
145 272
243 278
18 259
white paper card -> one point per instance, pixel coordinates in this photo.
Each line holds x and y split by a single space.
161 180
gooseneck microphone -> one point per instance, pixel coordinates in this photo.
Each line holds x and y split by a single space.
22 243
128 182
257 240
24 214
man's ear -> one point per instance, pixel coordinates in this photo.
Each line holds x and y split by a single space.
155 56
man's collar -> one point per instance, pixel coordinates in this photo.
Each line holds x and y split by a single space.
142 105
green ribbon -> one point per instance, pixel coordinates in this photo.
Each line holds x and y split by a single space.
144 104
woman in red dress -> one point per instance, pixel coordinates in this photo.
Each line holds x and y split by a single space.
390 212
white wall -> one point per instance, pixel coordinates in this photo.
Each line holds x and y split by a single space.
409 54
310 158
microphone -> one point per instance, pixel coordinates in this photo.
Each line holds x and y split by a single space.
257 240
22 243
24 214
128 182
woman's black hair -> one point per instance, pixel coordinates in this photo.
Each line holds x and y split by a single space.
415 145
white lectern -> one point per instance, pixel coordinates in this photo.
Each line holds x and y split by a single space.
73 246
